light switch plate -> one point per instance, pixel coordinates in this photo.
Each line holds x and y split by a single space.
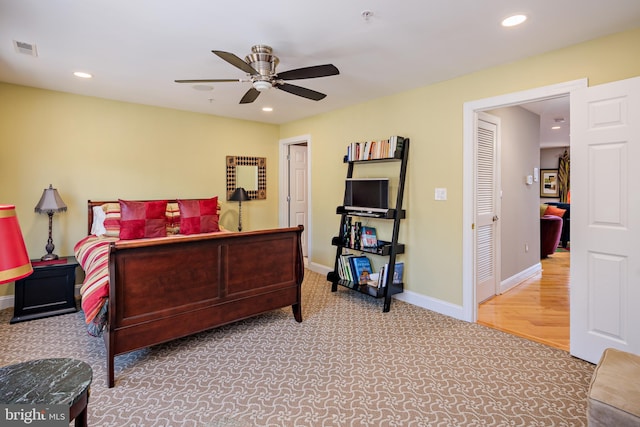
441 194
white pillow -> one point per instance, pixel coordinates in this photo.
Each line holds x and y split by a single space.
97 227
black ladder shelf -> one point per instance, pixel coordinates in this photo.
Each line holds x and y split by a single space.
385 248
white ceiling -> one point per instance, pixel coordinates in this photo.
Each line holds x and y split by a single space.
553 113
137 48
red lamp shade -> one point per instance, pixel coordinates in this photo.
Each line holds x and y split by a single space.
14 259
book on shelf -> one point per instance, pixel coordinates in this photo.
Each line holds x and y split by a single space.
352 234
371 150
361 269
397 274
368 237
344 267
346 232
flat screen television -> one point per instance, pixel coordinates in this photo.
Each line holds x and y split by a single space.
367 194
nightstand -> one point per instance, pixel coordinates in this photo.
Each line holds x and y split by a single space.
48 291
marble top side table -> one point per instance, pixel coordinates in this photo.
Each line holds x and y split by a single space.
51 382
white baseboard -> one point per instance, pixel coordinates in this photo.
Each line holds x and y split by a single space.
319 268
6 301
433 304
520 277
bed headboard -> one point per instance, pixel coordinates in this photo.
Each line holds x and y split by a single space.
92 203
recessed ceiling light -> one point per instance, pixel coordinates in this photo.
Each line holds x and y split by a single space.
267 109
82 75
555 127
514 20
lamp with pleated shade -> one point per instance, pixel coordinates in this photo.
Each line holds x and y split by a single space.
14 259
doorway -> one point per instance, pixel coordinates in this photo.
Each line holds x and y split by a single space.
295 187
536 305
471 109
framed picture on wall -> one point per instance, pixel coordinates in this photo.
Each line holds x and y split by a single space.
549 183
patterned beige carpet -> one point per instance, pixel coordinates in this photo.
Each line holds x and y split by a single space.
346 364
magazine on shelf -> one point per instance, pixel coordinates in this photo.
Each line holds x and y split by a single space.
369 239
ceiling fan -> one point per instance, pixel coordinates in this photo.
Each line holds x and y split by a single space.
260 66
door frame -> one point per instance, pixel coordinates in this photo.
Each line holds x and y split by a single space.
470 109
283 178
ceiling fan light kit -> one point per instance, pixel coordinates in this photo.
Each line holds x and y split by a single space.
260 66
261 85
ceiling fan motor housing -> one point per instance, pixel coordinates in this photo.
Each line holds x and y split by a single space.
262 60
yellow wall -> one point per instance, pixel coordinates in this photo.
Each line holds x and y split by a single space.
432 117
91 148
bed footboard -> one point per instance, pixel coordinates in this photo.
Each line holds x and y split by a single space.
161 290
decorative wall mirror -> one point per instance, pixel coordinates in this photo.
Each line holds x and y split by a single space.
249 173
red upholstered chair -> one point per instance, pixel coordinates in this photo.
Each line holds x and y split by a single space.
550 231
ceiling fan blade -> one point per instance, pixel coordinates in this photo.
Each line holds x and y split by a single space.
208 81
250 96
301 91
235 61
309 72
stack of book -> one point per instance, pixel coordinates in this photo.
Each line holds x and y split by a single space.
355 269
358 270
371 150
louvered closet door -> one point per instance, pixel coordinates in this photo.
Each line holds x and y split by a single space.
487 274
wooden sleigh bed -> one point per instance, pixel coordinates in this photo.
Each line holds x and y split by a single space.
161 289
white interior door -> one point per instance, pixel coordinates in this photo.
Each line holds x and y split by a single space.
487 249
298 197
605 219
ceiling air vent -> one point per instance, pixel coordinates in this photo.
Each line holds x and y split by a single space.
25 48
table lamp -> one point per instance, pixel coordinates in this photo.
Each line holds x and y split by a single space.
49 203
239 195
14 259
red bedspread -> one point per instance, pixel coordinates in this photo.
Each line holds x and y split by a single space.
93 255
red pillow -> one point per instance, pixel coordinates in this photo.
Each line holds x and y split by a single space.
198 215
142 219
555 211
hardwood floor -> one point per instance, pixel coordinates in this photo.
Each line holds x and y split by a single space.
538 308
